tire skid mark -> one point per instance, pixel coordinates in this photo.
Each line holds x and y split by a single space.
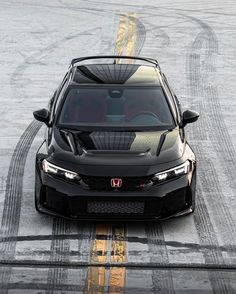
223 144
35 58
130 265
207 236
210 182
197 92
165 38
2 184
75 287
156 243
158 33
20 287
162 282
202 219
142 240
13 196
221 140
58 276
87 231
63 6
202 11
60 226
140 36
14 183
91 10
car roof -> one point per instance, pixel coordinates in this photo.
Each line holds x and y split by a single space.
123 74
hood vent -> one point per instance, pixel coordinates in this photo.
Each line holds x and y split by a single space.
112 140
75 148
117 152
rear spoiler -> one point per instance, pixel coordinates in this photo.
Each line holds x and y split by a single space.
115 58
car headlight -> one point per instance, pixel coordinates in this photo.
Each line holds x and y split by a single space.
171 173
59 171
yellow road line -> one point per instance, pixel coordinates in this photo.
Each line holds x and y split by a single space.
131 36
120 38
118 245
118 255
126 36
96 275
125 44
99 251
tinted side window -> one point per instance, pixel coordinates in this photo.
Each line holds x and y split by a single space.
50 103
176 100
170 96
57 99
62 91
173 99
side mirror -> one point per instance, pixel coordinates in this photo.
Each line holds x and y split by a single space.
189 117
42 115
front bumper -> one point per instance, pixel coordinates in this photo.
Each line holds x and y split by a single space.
70 200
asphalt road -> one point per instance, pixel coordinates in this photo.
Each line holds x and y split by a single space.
194 42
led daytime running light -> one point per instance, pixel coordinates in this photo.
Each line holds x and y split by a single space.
179 170
59 171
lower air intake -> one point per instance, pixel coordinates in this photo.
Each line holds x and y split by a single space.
115 207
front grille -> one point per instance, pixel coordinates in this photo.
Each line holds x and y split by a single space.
128 183
82 207
115 207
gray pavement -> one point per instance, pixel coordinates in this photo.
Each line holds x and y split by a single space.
194 42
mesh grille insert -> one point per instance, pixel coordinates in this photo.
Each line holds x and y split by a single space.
119 207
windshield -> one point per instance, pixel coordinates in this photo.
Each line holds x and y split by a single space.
116 107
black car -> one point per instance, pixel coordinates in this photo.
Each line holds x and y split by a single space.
115 145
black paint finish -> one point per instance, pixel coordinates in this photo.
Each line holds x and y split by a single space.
98 154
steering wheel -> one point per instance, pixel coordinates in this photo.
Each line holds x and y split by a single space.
144 112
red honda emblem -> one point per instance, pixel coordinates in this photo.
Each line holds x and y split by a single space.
116 183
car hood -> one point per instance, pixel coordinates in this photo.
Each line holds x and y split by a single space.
133 150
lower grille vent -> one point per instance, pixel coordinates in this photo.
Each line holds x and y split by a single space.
112 207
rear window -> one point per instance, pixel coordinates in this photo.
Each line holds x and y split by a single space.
111 107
